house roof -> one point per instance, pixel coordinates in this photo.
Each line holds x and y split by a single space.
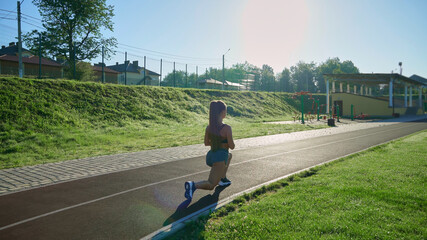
371 78
234 84
211 81
11 50
31 60
131 68
121 68
419 79
149 72
106 69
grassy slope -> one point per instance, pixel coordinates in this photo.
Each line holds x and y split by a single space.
50 120
377 194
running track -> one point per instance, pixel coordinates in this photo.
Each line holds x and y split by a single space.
147 201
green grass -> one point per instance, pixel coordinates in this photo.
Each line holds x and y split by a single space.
54 120
377 194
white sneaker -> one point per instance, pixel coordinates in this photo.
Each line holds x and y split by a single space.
224 182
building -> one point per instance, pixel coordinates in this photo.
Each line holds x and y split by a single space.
233 86
132 74
248 82
110 76
215 84
9 63
374 95
209 84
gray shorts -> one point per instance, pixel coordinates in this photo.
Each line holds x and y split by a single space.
216 156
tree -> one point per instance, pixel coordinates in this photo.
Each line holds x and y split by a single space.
73 26
285 84
84 72
330 66
267 78
179 80
303 75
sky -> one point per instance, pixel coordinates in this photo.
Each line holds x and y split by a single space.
374 34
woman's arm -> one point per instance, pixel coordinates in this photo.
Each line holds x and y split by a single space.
230 138
207 142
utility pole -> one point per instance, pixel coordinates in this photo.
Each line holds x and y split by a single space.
223 72
40 55
223 69
103 73
126 67
186 76
160 71
19 41
144 70
197 76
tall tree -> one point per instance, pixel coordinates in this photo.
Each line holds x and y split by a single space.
73 26
285 84
178 80
303 76
333 65
267 78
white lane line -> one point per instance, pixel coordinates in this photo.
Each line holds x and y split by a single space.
180 223
184 176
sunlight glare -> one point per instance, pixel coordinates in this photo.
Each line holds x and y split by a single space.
273 31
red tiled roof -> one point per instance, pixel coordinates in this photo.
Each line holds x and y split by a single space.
106 69
31 60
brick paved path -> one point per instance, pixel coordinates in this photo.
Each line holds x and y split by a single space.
16 179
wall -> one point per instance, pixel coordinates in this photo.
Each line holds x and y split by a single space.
137 79
11 68
367 105
109 77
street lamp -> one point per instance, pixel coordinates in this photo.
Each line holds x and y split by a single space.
223 70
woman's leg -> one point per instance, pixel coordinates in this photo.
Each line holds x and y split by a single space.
230 156
217 171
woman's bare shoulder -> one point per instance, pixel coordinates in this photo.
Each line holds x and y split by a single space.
227 127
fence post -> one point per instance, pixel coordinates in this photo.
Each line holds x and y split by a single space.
144 70
160 71
338 113
302 109
103 72
318 109
40 55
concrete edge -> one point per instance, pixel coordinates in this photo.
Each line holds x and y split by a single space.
179 224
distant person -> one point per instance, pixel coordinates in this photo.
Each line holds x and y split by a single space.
217 135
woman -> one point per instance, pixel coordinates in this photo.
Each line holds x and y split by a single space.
219 137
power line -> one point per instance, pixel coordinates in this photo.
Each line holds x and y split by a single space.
31 16
169 61
32 24
4 10
9 12
32 20
26 15
168 54
7 18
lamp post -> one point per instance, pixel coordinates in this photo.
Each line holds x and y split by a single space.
223 70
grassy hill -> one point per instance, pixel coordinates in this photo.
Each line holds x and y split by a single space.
51 120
